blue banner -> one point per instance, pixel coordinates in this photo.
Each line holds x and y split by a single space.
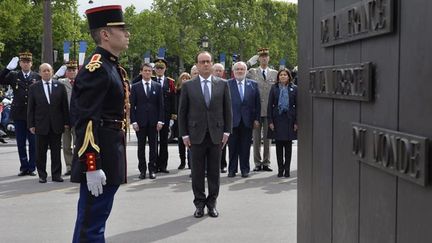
161 53
222 57
66 46
82 46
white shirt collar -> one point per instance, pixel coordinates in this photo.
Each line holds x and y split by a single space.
242 81
24 74
144 81
261 70
161 78
49 81
202 79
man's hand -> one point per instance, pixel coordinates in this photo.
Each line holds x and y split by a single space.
32 130
159 126
187 142
256 124
271 126
224 140
13 63
295 127
135 127
61 71
95 180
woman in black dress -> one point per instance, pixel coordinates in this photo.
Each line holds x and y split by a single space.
282 118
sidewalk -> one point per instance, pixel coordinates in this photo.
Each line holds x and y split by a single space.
261 208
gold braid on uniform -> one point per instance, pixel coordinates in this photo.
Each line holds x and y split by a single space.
126 88
88 138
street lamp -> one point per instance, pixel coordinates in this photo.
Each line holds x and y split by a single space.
205 42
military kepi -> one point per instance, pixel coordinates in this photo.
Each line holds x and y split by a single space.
263 51
72 64
105 16
160 62
25 56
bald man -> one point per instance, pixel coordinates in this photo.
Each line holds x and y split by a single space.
47 117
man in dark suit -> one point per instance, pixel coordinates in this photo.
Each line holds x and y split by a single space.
205 122
20 82
146 115
100 99
246 107
168 88
48 115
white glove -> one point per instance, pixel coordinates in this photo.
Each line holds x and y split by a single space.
95 180
61 71
6 101
13 63
253 60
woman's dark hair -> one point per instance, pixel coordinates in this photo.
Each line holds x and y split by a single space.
287 71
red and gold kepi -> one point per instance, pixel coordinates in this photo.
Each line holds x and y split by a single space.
72 64
25 56
263 51
105 16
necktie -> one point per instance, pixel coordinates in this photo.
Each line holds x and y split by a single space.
147 90
49 91
206 94
240 90
160 81
26 76
264 75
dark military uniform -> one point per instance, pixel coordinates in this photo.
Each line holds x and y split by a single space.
98 104
20 86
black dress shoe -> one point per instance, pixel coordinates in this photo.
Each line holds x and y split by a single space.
181 166
23 173
266 168
199 212
68 173
212 212
57 179
142 176
152 175
31 173
287 174
231 174
257 168
245 175
280 173
2 140
164 171
223 170
42 180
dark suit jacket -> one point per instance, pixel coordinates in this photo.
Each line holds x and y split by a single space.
47 117
248 110
195 119
146 110
284 123
169 98
20 87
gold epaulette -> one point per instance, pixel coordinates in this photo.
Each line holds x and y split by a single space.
94 63
88 138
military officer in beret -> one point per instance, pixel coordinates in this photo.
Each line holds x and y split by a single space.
69 70
99 105
20 82
168 88
265 77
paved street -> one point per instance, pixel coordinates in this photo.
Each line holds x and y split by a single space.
261 208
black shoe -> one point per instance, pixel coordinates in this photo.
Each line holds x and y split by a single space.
287 174
142 176
266 168
212 212
181 166
199 212
31 173
231 174
42 180
152 175
245 175
23 173
280 173
223 170
257 168
2 140
68 173
164 171
57 179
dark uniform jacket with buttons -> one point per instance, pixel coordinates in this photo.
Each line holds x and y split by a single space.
168 89
98 105
20 87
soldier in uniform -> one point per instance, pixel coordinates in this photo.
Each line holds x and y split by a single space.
99 105
168 88
265 77
70 71
20 82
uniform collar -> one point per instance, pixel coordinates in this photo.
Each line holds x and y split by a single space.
106 54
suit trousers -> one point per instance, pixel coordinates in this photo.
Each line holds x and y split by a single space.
182 153
210 152
28 163
68 143
258 134
145 132
239 148
93 213
281 146
162 159
53 141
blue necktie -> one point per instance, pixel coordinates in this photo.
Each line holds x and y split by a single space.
240 90
206 94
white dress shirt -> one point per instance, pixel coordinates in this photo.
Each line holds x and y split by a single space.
144 84
45 87
208 84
